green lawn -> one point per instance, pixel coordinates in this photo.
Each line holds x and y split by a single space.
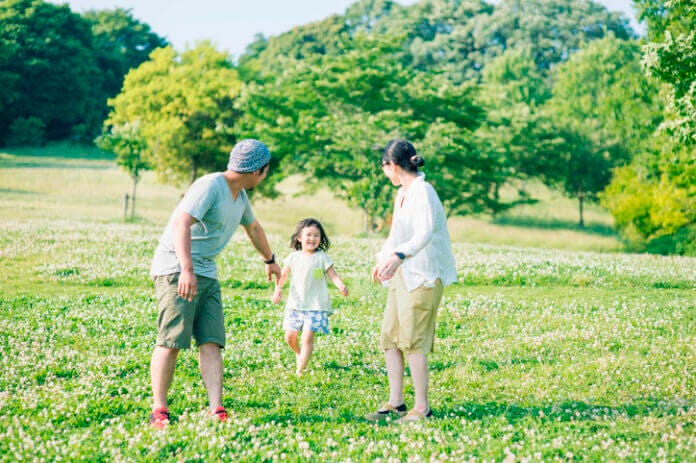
547 350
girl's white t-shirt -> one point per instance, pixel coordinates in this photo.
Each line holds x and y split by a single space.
308 287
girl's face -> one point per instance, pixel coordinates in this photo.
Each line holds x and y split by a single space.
310 238
389 169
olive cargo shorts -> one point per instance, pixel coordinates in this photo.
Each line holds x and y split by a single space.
179 319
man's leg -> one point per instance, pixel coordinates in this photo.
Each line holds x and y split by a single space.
161 373
210 361
395 374
418 363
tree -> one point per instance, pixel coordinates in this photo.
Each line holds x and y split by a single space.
48 68
183 106
552 29
518 140
120 43
653 200
673 61
129 147
324 115
606 109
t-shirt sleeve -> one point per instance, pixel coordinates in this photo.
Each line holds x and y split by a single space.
326 262
290 260
198 200
248 214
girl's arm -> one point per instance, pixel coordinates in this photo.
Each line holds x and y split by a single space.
337 281
278 293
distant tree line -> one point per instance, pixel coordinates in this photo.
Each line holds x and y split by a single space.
561 91
58 68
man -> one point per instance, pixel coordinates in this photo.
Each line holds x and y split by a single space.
185 275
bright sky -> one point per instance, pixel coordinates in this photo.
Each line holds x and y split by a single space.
232 24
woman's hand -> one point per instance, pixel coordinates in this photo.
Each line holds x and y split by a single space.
375 271
387 268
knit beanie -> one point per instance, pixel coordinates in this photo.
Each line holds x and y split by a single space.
248 155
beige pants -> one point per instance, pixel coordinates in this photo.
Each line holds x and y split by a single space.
409 317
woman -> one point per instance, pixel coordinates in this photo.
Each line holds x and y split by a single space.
416 262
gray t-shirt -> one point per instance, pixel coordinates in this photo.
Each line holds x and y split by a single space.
308 287
209 201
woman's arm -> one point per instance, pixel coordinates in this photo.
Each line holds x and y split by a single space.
420 214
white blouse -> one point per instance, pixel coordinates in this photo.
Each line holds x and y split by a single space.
419 230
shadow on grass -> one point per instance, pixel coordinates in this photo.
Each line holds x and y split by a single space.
555 224
52 163
567 411
570 411
18 192
61 150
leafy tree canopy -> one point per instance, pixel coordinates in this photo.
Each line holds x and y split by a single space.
47 67
183 105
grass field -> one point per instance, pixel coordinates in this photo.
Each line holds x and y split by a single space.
549 348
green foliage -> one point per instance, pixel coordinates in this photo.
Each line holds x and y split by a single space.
653 199
183 108
60 68
128 145
48 67
324 115
516 140
27 131
605 110
121 43
552 29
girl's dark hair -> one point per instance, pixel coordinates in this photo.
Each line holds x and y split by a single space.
324 243
403 154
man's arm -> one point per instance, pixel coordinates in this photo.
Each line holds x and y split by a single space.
257 236
188 283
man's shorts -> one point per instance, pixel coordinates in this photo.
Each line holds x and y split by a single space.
180 319
409 317
307 320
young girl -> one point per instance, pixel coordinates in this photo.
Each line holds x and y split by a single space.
308 306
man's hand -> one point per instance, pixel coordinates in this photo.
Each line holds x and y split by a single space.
273 269
188 285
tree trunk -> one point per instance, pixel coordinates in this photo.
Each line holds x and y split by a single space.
194 171
135 182
581 198
366 215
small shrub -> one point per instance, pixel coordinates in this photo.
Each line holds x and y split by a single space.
683 242
27 131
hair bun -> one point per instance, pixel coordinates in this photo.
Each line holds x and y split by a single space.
417 161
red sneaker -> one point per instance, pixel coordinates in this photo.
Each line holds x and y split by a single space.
159 418
220 413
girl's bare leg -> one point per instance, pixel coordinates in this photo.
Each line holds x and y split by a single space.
291 339
305 351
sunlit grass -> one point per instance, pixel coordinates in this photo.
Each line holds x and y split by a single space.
546 349
40 184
